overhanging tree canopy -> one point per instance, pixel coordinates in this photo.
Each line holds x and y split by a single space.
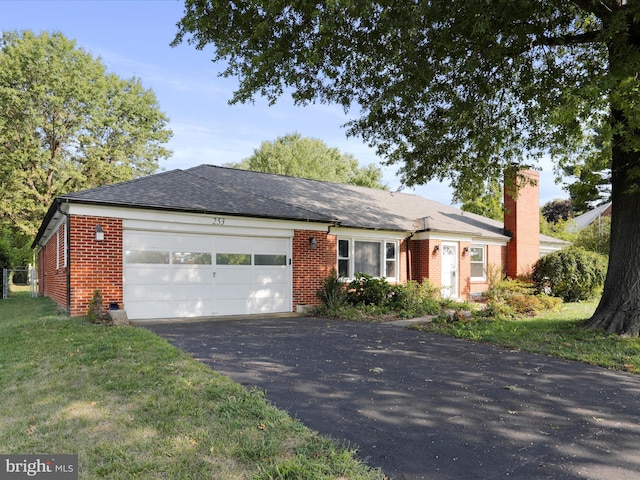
458 90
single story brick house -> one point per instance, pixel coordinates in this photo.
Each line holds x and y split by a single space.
211 240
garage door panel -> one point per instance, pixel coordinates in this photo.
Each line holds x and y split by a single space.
146 241
196 243
169 309
148 293
235 244
251 306
278 276
266 293
191 292
232 306
268 304
189 308
226 291
237 275
192 275
146 276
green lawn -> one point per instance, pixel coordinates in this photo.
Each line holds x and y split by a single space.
132 406
561 334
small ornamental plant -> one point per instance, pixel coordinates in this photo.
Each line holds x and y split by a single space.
96 312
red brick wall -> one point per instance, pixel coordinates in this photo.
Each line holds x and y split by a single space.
522 222
95 264
402 258
464 270
496 262
425 263
52 274
311 266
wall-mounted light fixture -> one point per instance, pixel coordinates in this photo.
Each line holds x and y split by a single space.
99 233
436 249
465 250
313 243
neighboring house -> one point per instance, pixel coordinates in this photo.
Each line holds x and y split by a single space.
219 241
583 221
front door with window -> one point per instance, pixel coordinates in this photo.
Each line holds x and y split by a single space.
449 283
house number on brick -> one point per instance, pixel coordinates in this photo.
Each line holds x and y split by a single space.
218 221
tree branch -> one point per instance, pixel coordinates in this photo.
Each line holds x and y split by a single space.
601 9
576 39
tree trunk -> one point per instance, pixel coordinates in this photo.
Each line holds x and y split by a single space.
619 308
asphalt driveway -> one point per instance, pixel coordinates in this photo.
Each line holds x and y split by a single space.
423 406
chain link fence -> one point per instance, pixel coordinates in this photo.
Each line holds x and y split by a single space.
19 276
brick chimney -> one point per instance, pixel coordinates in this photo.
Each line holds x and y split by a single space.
522 220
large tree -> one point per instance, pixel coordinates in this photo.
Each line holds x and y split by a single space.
298 156
458 89
67 124
482 198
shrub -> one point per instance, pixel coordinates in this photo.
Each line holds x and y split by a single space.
332 292
531 305
498 310
368 290
509 287
494 275
573 274
514 298
96 312
414 299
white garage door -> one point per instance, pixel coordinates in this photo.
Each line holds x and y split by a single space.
180 275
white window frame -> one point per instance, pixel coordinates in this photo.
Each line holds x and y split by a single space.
383 256
484 261
61 259
58 249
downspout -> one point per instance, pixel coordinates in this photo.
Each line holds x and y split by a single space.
67 236
409 273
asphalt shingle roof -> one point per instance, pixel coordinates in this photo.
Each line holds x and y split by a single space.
227 191
583 221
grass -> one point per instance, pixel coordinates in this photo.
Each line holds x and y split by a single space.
132 406
560 333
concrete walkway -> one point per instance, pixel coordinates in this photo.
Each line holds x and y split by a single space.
423 406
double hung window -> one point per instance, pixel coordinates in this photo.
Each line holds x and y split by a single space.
478 262
378 258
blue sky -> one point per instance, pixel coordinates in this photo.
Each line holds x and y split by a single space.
132 38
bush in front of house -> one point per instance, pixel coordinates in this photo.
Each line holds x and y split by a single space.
414 299
332 292
573 274
368 290
513 298
366 297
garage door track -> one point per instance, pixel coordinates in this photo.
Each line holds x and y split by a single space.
423 406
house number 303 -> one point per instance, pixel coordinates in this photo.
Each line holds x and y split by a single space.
218 221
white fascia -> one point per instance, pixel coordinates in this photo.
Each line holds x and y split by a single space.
184 222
